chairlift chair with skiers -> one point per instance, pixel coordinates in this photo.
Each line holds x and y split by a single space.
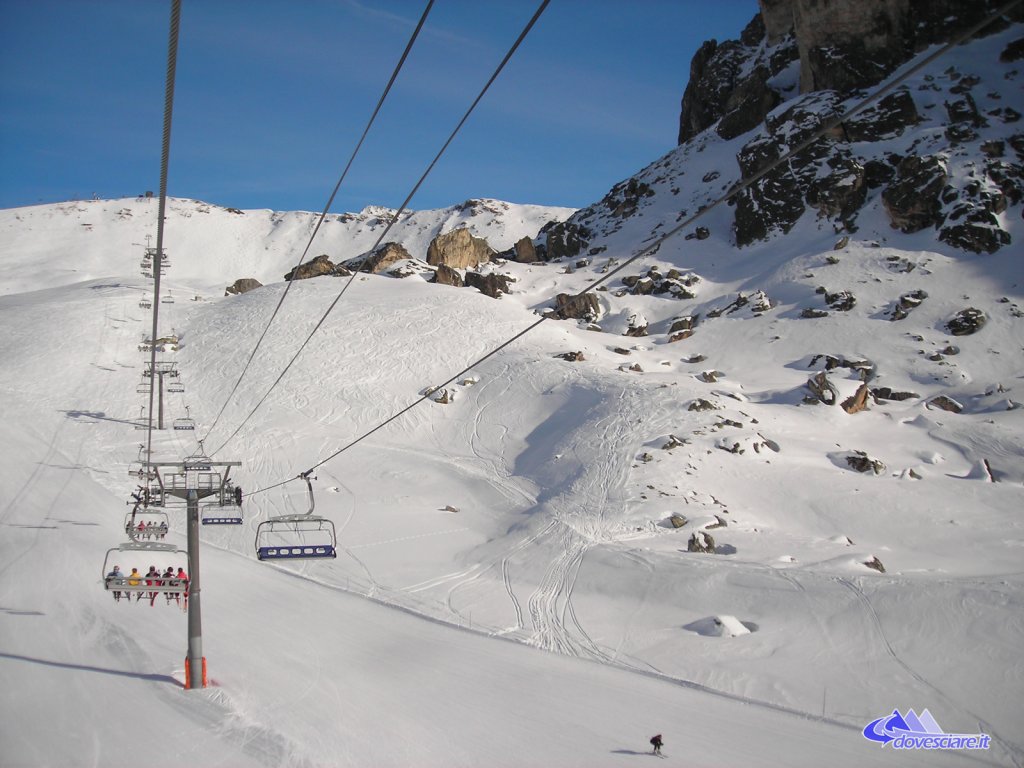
297 537
145 524
135 552
146 304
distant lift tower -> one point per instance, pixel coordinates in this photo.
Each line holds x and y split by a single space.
193 478
157 371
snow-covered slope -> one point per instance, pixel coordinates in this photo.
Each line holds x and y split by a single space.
534 507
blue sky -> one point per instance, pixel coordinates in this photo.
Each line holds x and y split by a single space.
271 98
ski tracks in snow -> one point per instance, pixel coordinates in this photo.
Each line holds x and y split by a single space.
1015 753
583 522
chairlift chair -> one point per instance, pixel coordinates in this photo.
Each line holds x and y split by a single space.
144 387
146 524
221 514
186 422
175 386
226 509
304 537
134 552
146 304
168 299
139 470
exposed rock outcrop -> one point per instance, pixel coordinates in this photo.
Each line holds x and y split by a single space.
579 307
861 462
525 253
822 390
491 284
445 275
701 541
459 249
242 285
565 239
321 265
967 321
381 259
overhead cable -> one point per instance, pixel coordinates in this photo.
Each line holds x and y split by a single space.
740 186
394 218
323 214
165 154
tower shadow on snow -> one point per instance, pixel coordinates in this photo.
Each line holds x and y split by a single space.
85 668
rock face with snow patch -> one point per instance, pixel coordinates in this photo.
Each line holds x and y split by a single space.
459 249
967 321
842 46
701 541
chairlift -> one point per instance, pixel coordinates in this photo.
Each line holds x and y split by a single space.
186 422
175 386
168 299
139 470
144 387
226 509
146 304
144 524
217 514
302 537
134 552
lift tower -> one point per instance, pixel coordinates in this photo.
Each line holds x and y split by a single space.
193 478
157 369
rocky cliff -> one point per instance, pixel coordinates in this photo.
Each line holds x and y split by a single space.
942 154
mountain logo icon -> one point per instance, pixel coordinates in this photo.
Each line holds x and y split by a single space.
919 731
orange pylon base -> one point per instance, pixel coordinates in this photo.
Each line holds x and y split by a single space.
188 674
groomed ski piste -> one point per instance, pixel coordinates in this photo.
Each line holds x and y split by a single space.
509 590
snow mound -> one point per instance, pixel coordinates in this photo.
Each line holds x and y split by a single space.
722 625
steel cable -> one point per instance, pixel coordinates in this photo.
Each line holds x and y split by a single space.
394 219
323 214
165 154
740 186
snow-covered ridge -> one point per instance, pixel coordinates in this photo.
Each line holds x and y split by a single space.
211 246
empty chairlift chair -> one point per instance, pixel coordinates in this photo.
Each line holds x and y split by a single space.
297 537
175 386
226 510
186 422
